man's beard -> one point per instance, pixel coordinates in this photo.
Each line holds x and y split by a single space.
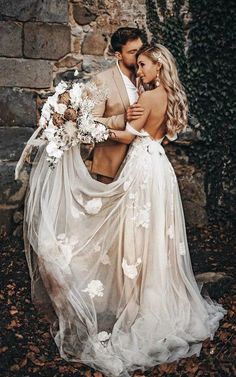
131 67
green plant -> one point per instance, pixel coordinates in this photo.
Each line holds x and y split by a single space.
204 52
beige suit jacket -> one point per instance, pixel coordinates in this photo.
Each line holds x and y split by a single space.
109 155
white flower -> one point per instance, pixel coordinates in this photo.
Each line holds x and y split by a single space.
94 288
103 336
52 100
93 206
143 216
170 232
61 87
49 133
130 270
75 95
53 151
70 128
182 250
60 108
42 121
46 111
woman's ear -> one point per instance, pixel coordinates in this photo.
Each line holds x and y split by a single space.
158 66
118 55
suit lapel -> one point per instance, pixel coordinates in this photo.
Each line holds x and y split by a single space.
121 87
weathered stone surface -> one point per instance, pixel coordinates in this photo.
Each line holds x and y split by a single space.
13 140
12 192
36 10
91 64
67 76
25 73
10 40
17 107
46 41
83 15
76 45
69 62
94 44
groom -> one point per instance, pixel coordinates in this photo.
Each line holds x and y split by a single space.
120 106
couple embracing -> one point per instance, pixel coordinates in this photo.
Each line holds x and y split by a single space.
107 249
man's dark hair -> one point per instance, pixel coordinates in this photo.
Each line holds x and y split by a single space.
124 34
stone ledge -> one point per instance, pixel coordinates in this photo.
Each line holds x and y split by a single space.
25 73
45 41
10 41
17 107
36 10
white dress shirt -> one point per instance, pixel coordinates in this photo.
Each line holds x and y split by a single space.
131 89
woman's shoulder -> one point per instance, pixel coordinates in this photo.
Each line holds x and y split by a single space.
152 96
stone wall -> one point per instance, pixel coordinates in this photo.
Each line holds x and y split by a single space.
42 42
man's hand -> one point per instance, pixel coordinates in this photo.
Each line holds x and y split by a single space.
134 112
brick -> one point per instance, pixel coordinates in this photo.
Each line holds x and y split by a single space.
36 10
17 107
10 41
46 41
83 15
25 73
94 44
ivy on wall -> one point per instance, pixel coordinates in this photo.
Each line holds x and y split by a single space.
205 63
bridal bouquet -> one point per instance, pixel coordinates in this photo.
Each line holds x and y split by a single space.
67 119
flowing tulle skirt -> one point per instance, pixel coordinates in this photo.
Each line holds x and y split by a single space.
112 262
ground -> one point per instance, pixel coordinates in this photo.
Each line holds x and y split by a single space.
27 348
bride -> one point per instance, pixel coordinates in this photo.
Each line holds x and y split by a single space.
110 262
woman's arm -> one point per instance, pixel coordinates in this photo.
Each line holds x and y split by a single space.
126 137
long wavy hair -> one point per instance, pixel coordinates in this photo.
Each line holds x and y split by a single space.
177 105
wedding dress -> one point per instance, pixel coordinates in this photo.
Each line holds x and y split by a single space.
113 262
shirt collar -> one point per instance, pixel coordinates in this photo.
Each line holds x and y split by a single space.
126 78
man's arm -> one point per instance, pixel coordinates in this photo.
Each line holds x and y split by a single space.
116 122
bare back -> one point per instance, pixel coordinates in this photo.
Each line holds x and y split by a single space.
155 124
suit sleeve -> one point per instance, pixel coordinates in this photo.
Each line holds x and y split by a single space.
116 122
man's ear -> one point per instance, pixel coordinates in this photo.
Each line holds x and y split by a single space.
118 55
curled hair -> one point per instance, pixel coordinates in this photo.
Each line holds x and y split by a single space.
122 35
177 105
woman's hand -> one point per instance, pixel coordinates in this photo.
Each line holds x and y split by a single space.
134 112
165 141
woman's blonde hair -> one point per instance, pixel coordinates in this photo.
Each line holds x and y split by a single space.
177 106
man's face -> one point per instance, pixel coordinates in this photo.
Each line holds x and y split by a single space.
128 53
